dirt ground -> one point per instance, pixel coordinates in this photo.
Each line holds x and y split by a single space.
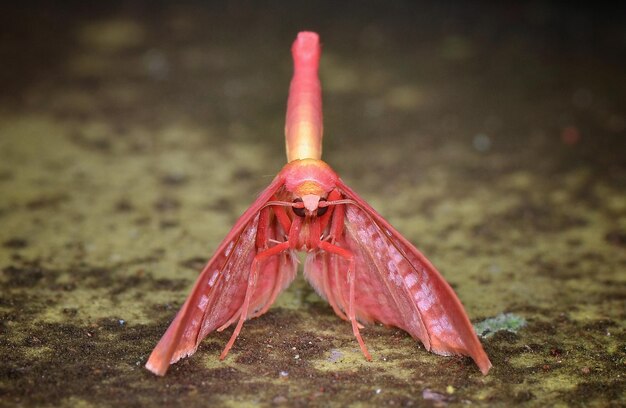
132 136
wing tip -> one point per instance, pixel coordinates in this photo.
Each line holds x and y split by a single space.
157 367
158 363
478 355
484 365
482 361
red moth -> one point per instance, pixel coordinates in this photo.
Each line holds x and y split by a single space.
359 263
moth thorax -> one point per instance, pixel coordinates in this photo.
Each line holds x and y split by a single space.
309 188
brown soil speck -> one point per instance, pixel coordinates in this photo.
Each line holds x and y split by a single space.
23 277
15 243
616 237
196 263
47 201
167 204
124 205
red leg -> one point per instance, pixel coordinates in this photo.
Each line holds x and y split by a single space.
336 226
349 256
283 218
254 270
336 229
262 240
332 196
285 222
262 231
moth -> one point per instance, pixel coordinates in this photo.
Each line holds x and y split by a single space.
365 269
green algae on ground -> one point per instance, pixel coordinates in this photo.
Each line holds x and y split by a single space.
504 321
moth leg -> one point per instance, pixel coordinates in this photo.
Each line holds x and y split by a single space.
285 222
336 227
332 209
283 218
266 307
262 239
336 230
349 256
331 298
252 278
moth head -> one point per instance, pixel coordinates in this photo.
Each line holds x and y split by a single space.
307 198
309 181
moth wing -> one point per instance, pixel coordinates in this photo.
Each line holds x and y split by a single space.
395 284
219 291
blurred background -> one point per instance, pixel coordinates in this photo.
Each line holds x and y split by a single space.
133 134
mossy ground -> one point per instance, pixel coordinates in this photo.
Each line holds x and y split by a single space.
132 136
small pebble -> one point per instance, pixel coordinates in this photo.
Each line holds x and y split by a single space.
335 355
